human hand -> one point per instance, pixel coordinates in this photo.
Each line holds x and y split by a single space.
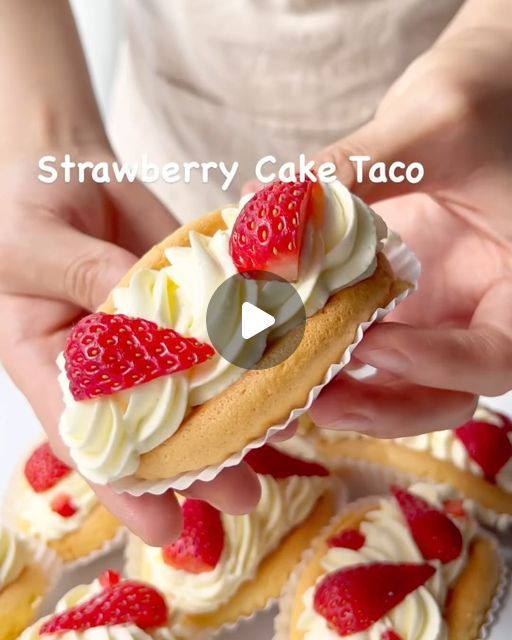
62 248
452 340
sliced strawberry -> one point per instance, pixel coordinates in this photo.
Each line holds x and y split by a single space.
355 598
62 504
269 231
43 470
487 444
348 539
454 508
107 353
269 461
437 537
506 422
390 635
123 603
109 578
200 545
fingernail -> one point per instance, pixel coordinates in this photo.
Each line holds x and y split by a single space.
350 422
387 359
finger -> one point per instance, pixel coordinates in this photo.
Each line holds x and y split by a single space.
155 519
75 267
390 411
286 433
235 490
143 220
252 186
392 136
473 360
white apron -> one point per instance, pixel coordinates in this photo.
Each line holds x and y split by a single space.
212 80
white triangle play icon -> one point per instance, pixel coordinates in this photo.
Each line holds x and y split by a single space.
254 320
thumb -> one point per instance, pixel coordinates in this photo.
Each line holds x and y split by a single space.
365 158
146 221
89 268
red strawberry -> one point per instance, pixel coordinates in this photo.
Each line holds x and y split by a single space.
63 505
348 539
200 545
487 444
109 578
107 353
437 537
269 461
454 508
43 470
269 231
353 599
123 603
506 422
390 635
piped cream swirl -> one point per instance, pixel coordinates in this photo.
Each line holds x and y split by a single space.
388 539
35 516
248 540
12 557
81 594
107 435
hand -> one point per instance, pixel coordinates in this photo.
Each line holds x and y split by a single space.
63 247
451 341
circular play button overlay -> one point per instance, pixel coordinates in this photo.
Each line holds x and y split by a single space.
246 317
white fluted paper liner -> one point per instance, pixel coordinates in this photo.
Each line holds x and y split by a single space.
50 564
282 621
406 267
9 513
133 562
363 477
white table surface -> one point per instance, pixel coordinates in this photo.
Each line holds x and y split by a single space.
20 430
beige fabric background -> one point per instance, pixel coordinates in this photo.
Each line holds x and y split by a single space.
239 79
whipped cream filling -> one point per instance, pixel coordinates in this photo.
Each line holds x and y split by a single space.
388 539
107 435
36 518
12 557
81 594
248 539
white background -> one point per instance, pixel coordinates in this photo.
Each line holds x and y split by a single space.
100 28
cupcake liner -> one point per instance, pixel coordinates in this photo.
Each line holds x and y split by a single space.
363 477
283 619
50 564
9 513
406 267
500 594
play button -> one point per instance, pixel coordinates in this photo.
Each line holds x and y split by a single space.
254 320
248 318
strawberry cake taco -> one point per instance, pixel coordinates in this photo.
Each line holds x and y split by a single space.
51 503
109 608
402 567
224 568
475 459
27 574
150 404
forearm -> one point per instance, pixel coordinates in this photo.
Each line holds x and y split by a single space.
46 97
